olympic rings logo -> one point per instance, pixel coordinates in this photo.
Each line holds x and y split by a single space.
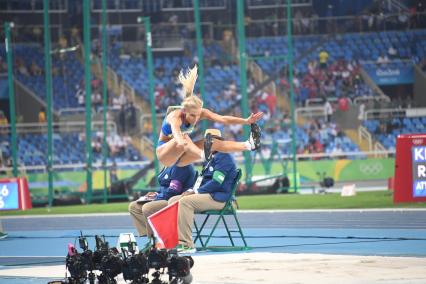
371 168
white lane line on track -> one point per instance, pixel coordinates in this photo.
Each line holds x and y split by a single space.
239 211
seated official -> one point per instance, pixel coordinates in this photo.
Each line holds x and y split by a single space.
173 181
216 188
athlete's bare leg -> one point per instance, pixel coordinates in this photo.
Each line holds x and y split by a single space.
169 153
194 154
190 157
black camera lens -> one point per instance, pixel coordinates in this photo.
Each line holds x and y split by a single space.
179 266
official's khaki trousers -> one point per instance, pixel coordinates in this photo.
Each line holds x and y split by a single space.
140 213
188 205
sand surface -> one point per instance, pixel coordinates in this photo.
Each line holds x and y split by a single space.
282 268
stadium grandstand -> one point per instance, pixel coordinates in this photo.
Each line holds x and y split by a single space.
339 84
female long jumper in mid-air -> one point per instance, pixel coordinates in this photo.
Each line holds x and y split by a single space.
174 143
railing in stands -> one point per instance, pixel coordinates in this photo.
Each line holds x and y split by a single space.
204 5
310 112
396 5
63 126
367 99
315 102
378 149
55 6
393 112
260 77
364 134
268 4
73 167
145 120
79 110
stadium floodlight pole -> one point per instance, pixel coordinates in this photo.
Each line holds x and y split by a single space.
243 81
48 79
88 101
290 75
7 27
148 48
104 95
200 56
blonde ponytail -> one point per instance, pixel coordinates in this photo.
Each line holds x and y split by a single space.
188 80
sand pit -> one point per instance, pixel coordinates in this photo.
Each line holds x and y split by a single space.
283 268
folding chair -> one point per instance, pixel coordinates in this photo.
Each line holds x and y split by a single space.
227 210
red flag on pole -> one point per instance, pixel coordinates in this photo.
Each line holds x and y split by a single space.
165 227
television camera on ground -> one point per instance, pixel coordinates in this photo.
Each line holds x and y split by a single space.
104 264
325 182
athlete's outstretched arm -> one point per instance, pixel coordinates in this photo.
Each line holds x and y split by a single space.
227 119
175 123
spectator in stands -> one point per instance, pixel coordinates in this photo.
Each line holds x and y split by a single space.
329 88
269 100
3 65
216 186
21 67
96 83
122 98
147 127
420 8
97 100
113 176
63 43
343 104
236 130
370 21
97 144
361 111
80 94
4 123
305 23
75 36
297 22
37 32
42 115
116 103
314 22
131 116
55 71
337 150
34 69
382 59
403 19
392 52
413 17
312 66
330 22
423 64
122 119
328 109
173 181
159 71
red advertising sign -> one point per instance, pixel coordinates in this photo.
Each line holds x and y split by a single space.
410 168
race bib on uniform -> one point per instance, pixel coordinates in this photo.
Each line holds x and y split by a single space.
218 176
